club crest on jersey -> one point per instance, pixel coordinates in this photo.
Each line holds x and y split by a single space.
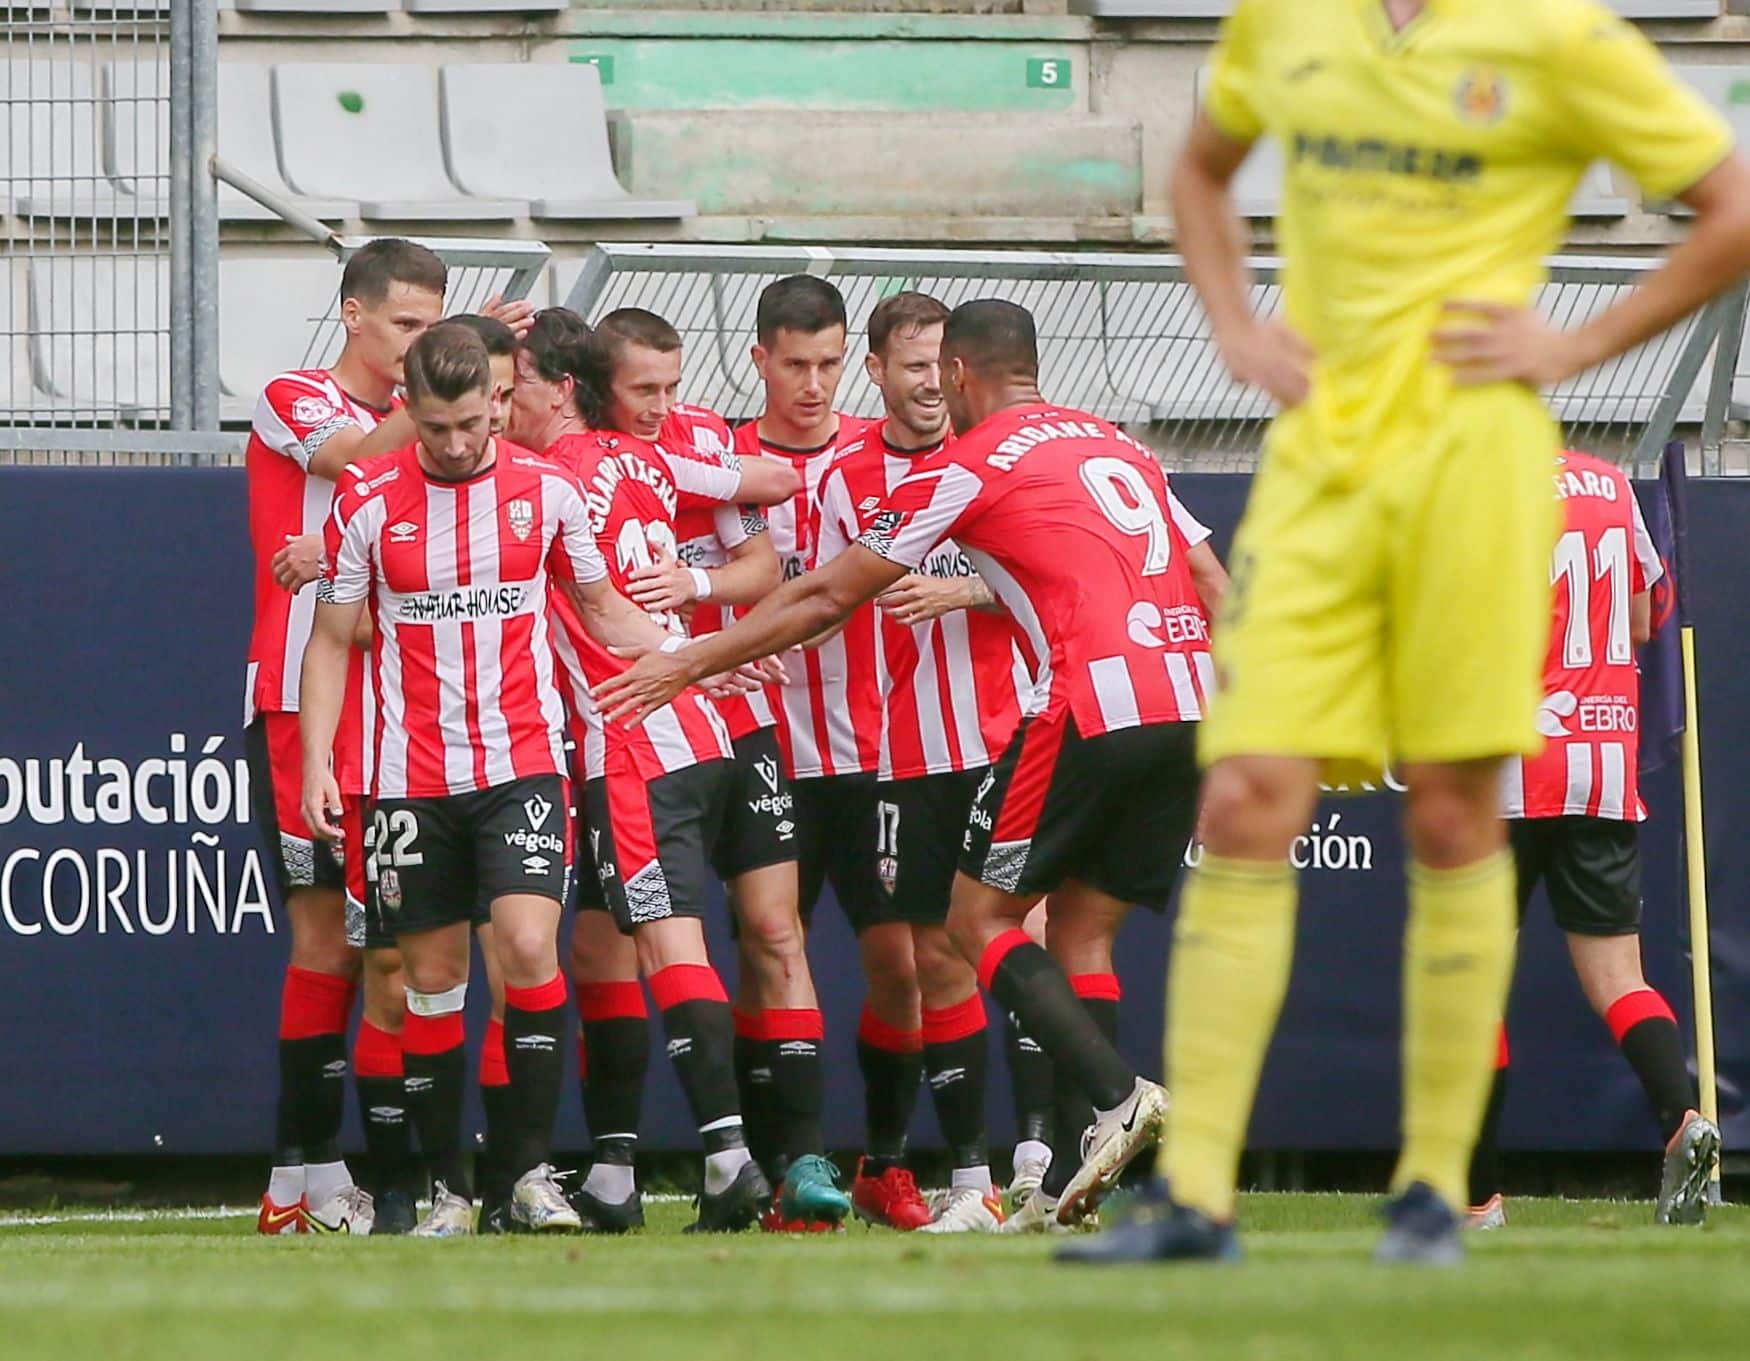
389 889
521 515
537 810
313 410
1481 96
888 868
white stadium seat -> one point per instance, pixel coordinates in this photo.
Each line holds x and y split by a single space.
483 6
98 330
50 148
370 133
498 148
246 141
316 6
1215 9
256 342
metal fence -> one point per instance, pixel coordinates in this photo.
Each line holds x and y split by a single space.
1124 337
84 104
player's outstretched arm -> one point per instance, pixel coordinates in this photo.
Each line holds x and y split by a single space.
322 690
915 599
613 620
752 572
810 605
1211 237
1491 343
766 482
394 431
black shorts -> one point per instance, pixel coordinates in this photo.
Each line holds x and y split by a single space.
272 747
1114 812
759 825
648 839
438 860
1591 868
837 835
920 833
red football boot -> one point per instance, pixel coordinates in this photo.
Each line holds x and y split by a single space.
891 1199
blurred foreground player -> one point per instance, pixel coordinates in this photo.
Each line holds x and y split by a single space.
452 541
1071 524
1391 589
1574 818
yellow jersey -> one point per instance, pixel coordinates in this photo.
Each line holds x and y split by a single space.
1434 162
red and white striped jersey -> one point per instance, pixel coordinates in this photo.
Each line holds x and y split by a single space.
298 412
633 491
457 576
1590 715
951 688
829 713
1070 523
705 538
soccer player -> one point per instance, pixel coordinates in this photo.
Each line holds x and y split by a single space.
308 425
1091 804
725 559
452 541
1391 596
828 728
950 690
654 799
1574 813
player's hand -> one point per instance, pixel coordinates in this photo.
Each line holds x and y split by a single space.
1272 356
771 670
915 599
518 315
649 683
299 563
664 585
1491 342
744 680
322 806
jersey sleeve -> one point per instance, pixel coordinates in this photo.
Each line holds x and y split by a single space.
927 507
735 525
296 417
347 541
573 555
838 518
1647 569
699 484
1624 103
1194 530
1228 95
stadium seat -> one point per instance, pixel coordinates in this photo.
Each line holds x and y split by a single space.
50 153
490 151
259 341
98 331
317 6
483 6
246 141
370 132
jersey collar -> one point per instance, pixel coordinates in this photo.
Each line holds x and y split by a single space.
1379 25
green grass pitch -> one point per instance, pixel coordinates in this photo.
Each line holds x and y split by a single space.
1581 1279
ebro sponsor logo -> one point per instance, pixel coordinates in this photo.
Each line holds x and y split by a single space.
1606 714
483 602
1151 626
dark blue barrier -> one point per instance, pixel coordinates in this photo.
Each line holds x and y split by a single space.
138 994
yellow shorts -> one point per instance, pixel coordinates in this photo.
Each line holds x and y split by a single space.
1399 614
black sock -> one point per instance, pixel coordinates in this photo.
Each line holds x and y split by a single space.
1030 1082
534 1052
892 1064
701 1043
756 1085
618 1049
1647 1033
1485 1158
436 1074
312 1091
1072 1112
1030 983
792 1048
379 1078
956 1059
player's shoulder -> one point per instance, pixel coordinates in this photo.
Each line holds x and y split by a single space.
525 463
696 429
374 478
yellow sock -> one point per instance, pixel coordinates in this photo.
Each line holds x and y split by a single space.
1458 962
1232 951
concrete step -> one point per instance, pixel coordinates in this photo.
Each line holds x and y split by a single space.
893 165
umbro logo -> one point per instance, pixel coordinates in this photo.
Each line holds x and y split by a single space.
537 810
403 531
680 1046
417 1084
536 864
388 1115
536 1044
945 1078
767 769
798 1047
335 1069
868 503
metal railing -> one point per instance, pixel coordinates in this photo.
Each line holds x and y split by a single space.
1123 336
